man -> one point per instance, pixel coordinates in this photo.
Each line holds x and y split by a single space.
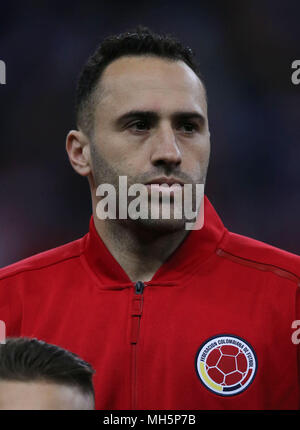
37 375
169 318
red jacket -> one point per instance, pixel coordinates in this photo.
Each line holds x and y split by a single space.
211 330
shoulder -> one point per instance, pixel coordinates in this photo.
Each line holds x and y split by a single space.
53 257
260 256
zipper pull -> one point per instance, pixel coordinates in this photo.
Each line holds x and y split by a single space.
139 287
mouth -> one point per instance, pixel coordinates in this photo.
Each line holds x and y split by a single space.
164 182
165 187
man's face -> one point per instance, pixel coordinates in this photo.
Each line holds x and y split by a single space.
150 122
41 395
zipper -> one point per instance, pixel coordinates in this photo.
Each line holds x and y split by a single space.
136 314
139 287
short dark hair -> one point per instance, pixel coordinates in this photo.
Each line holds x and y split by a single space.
28 359
140 41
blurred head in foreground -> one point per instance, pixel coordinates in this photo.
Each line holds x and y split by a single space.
38 375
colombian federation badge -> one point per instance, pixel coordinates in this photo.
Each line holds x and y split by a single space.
226 364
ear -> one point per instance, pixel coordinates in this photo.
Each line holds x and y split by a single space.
78 149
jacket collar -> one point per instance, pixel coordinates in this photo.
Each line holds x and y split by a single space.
198 246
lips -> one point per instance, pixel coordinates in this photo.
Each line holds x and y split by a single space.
165 187
167 181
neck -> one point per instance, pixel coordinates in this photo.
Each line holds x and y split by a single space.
139 251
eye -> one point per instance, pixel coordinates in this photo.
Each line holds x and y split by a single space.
188 127
139 126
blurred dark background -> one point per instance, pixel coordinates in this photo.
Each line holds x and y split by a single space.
245 50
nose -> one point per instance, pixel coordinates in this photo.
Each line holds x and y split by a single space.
165 149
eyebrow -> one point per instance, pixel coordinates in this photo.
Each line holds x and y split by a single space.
154 116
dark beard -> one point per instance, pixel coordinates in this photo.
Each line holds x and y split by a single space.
106 174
